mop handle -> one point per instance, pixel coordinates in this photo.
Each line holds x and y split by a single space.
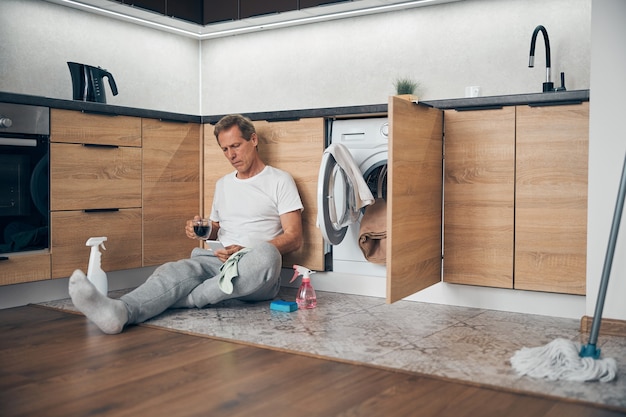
608 260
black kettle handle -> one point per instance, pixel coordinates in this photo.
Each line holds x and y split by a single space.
112 83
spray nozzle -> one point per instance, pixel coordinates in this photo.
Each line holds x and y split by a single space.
94 242
301 270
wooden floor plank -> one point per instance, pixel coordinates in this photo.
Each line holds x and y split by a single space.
54 363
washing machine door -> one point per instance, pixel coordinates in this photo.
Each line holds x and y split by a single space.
341 193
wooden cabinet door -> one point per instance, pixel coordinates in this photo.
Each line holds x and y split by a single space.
551 198
171 188
77 127
215 166
414 197
295 147
24 267
69 231
94 177
479 191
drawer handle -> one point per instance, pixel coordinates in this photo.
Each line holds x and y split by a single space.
555 103
475 108
99 113
98 145
4 258
172 121
100 210
283 119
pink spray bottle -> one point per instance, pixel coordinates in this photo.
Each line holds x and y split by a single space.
306 297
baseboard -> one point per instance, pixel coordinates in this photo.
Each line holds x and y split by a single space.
612 327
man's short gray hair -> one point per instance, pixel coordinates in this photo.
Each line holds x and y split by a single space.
244 124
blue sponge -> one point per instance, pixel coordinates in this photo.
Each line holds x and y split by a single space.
281 305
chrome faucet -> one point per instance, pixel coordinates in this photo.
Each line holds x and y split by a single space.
548 85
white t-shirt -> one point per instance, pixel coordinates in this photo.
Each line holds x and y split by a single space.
249 210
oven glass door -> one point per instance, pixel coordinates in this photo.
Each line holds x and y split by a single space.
24 193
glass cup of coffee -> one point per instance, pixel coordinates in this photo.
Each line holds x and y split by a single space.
202 228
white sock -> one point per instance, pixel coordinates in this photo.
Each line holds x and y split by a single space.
108 314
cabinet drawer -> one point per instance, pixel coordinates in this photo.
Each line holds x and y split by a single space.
71 229
77 127
85 177
25 268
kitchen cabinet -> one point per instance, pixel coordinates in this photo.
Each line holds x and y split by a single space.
95 189
91 177
479 197
130 179
551 198
69 126
514 193
71 229
29 267
294 146
133 180
515 202
297 147
205 12
171 188
250 8
219 11
414 197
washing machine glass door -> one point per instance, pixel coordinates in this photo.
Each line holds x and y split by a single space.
336 201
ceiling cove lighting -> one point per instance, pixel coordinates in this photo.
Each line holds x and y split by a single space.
319 18
116 15
243 26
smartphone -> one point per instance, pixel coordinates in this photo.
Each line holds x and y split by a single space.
214 245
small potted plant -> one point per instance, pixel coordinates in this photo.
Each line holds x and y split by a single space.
406 86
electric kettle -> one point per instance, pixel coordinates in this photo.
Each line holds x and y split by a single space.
87 82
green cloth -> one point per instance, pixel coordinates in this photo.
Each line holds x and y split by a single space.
229 270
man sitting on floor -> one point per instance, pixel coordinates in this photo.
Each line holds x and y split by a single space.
256 211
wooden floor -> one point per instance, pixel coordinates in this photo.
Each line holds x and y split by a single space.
54 363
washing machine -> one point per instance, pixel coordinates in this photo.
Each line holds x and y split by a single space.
340 206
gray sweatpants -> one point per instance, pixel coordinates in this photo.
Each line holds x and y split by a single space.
173 282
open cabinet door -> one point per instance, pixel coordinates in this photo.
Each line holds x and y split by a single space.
414 197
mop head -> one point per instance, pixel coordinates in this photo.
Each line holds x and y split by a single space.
560 359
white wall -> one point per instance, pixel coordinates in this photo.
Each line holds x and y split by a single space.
152 69
607 148
355 61
339 63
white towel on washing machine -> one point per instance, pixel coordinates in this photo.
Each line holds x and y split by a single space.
344 159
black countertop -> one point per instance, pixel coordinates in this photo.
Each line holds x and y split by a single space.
96 108
476 103
557 98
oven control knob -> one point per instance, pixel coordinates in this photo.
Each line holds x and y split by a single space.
5 122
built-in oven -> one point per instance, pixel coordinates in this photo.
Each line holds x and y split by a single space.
24 178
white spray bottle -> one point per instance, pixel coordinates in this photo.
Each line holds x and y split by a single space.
306 297
95 274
